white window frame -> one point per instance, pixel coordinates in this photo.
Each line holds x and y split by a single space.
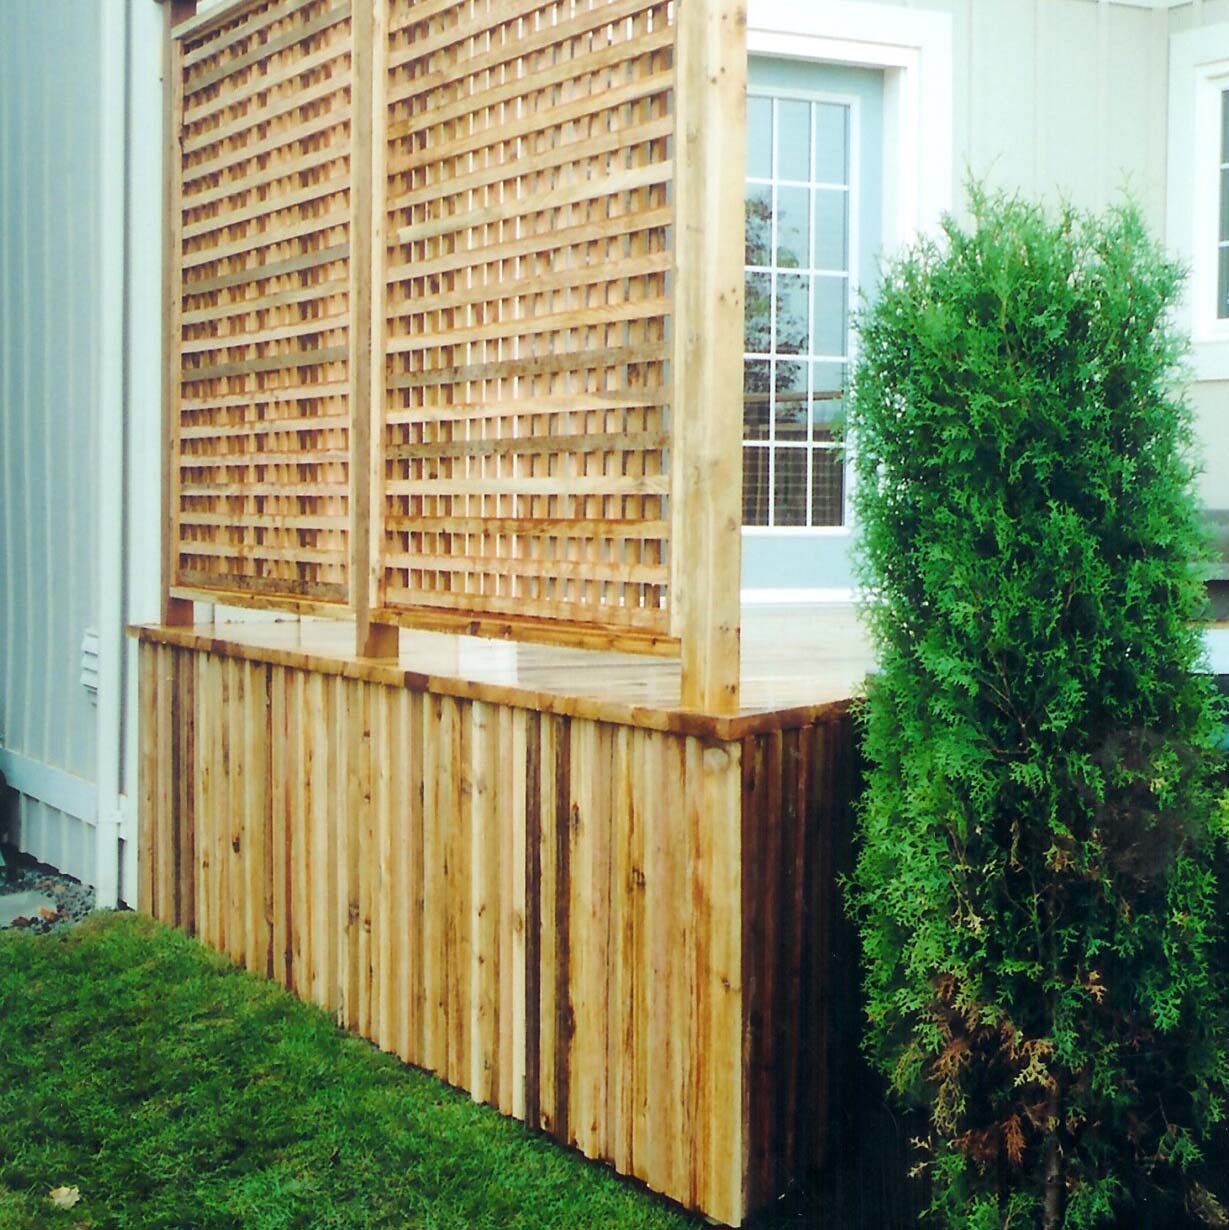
1198 72
913 49
853 154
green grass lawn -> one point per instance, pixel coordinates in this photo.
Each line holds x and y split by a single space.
175 1091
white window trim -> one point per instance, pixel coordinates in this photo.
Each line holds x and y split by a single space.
853 283
913 47
1198 71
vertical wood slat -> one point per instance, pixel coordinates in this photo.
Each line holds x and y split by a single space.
711 105
623 936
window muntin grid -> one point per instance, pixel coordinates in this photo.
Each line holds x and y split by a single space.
800 271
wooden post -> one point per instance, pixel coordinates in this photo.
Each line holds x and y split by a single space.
373 640
711 111
175 611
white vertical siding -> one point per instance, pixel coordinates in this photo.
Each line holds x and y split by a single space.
1061 99
1068 100
48 388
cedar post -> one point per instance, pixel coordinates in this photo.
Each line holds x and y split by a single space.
711 110
373 640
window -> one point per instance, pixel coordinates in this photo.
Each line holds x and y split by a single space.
873 83
799 270
1197 217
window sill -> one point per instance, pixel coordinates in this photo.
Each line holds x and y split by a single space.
1210 359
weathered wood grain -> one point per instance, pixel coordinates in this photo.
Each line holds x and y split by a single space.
265 386
623 936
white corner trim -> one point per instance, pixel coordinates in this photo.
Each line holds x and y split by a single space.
1198 69
913 47
74 796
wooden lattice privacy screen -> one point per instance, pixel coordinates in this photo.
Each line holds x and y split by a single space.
526 432
443 334
262 227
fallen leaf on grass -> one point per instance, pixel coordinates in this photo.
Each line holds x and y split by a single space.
64 1197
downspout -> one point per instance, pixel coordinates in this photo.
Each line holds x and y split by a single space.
112 70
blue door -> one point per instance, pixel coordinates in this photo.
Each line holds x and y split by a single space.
814 224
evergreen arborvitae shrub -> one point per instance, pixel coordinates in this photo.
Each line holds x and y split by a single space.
1040 881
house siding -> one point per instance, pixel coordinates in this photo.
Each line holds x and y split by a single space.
1069 100
49 303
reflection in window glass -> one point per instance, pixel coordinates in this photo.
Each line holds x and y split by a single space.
790 400
758 328
827 486
757 378
793 228
759 225
832 143
791 316
789 486
831 228
759 138
793 152
799 262
755 485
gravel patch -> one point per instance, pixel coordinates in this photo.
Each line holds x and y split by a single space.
57 901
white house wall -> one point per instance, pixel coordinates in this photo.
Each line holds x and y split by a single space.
1211 398
49 237
1068 100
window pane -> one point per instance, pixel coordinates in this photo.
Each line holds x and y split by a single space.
831 229
793 229
792 291
759 224
1222 285
830 316
1224 204
759 138
791 401
831 144
790 486
793 140
755 485
829 377
828 404
759 307
756 397
827 486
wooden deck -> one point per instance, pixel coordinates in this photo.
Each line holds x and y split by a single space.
529 870
796 663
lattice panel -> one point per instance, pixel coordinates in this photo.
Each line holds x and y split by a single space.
525 432
261 460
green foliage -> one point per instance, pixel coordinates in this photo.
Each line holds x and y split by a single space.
1041 872
179 1093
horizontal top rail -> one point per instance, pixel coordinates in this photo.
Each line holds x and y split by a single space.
587 675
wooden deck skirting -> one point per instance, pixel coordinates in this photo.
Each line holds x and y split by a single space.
615 925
